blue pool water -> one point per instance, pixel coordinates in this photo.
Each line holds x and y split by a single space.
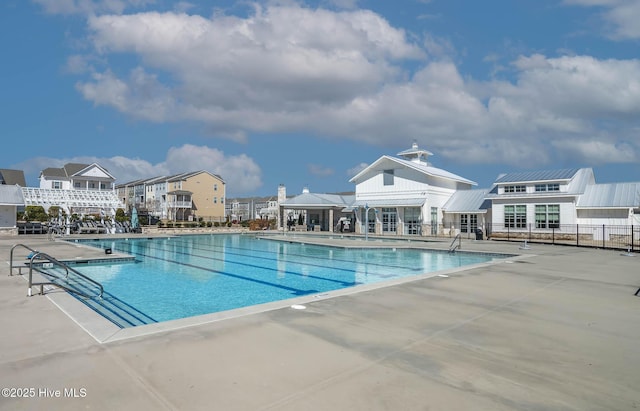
185 276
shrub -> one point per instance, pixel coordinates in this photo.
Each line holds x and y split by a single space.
35 213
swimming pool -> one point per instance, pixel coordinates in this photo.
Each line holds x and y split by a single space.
186 276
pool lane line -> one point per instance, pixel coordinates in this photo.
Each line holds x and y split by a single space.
297 255
295 291
344 283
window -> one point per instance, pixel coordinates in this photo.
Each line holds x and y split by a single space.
76 184
215 200
103 186
515 189
56 185
468 223
515 216
215 187
412 220
547 187
388 177
548 216
389 220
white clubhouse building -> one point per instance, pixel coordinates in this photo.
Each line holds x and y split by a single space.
406 195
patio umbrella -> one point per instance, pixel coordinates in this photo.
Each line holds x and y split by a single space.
134 218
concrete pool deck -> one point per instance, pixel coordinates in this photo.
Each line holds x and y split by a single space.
558 329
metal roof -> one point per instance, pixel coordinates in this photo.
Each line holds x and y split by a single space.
414 151
418 166
392 202
11 195
540 175
468 201
319 200
614 195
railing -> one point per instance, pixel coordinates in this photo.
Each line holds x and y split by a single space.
620 237
47 259
453 246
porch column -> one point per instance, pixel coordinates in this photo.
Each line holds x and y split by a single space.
331 220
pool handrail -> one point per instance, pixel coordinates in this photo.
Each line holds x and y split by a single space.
453 247
50 259
43 256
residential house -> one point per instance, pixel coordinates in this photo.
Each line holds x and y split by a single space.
195 195
76 188
74 176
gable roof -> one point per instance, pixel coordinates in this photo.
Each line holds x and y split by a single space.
614 195
71 169
184 176
420 167
12 177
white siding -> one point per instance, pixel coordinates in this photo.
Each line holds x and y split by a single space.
7 216
567 210
605 216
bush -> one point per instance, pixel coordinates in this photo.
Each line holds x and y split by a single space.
216 224
209 224
35 213
120 216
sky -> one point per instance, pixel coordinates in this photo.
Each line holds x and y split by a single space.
307 93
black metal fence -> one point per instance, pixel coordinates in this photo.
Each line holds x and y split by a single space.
621 237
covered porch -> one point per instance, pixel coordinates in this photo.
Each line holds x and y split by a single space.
390 216
321 212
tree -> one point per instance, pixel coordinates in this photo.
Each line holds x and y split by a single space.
35 213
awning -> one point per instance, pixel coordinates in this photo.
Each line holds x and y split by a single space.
391 202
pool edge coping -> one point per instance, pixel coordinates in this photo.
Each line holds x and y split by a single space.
104 331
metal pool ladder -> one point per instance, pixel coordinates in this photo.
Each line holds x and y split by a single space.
76 284
453 246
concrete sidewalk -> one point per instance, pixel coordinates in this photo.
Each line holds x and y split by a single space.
557 330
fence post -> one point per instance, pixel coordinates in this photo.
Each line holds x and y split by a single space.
603 245
577 235
508 237
632 237
553 235
529 232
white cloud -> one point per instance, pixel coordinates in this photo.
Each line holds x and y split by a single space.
598 151
622 15
342 74
275 66
353 171
240 172
90 6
